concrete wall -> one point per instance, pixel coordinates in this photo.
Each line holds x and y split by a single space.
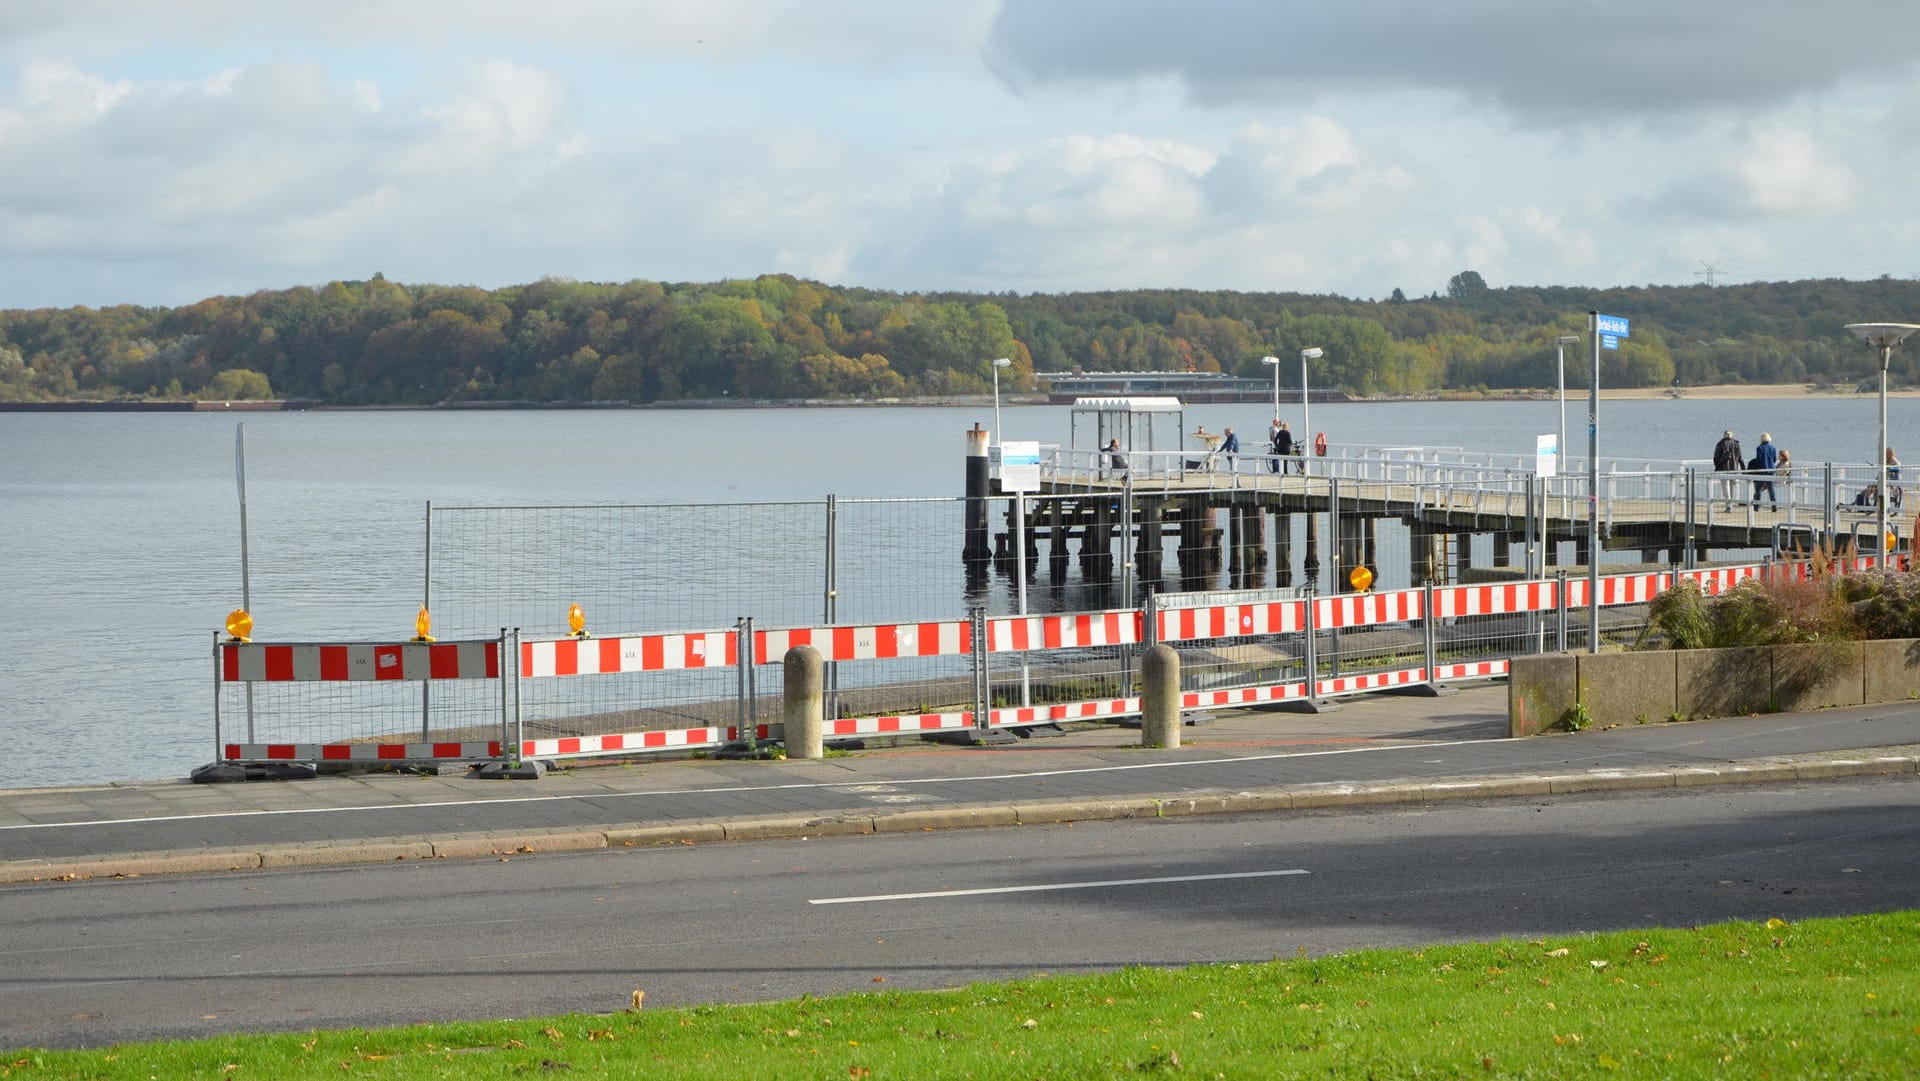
1688 684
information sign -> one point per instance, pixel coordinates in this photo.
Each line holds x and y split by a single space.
1020 466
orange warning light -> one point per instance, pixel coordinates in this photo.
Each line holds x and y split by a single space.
423 625
1361 578
239 626
577 620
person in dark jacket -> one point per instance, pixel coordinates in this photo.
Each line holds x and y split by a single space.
1282 446
1728 460
1766 461
1230 446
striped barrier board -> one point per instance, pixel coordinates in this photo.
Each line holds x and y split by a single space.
1372 681
1488 600
357 752
248 662
906 724
663 740
1242 696
876 642
1469 670
1367 609
1018 633
1055 712
636 653
1230 621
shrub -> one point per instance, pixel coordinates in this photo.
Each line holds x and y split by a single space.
1884 604
1754 613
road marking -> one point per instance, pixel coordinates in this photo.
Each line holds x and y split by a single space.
731 789
984 891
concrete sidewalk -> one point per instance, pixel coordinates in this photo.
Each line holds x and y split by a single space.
1374 750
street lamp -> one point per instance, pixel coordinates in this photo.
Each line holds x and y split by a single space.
1306 412
1883 336
1274 363
1003 362
1560 448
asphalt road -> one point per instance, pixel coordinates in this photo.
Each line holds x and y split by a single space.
106 961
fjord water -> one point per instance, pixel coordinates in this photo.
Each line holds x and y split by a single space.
120 532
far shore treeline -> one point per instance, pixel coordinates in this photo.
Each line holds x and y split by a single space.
378 342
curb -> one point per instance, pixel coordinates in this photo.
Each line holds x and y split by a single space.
505 846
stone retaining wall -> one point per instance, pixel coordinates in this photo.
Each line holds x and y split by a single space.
1688 684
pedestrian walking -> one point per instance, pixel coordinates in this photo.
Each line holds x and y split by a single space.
1727 460
1766 459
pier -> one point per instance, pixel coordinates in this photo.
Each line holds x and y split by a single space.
1440 517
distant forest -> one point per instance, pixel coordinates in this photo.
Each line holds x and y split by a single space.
378 342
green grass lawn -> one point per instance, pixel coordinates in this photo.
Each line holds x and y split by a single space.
1833 998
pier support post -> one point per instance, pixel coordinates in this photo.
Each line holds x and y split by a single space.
1146 558
1352 549
1282 549
976 552
1423 564
802 719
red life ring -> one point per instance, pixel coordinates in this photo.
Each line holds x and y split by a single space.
1320 444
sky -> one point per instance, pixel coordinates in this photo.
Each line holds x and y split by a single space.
161 152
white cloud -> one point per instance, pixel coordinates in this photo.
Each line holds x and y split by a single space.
1786 172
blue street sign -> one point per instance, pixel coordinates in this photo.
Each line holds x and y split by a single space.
1611 324
1609 341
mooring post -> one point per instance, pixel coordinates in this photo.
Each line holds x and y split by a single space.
802 701
1160 697
976 551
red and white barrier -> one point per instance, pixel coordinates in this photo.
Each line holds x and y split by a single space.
1230 621
1368 609
1371 681
1490 600
665 740
867 643
634 653
369 753
249 662
1021 633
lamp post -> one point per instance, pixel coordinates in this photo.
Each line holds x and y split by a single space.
1002 362
1883 336
1274 363
1306 411
1560 448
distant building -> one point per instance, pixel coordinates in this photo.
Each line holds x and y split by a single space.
1189 387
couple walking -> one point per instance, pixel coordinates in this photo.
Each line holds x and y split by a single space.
1768 462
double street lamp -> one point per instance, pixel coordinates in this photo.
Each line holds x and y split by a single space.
1883 336
1274 363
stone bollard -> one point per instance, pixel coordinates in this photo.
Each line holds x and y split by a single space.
1160 698
802 717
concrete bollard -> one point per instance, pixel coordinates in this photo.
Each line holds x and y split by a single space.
802 717
1160 698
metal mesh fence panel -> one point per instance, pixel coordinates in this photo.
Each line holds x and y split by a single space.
313 713
630 567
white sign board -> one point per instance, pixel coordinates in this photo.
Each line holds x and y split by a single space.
1020 467
1546 455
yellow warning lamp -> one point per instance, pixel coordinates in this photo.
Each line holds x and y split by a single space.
1893 540
577 621
239 626
423 625
1361 578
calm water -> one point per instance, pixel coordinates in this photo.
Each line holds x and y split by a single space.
121 532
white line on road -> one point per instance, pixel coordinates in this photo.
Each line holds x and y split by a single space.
730 789
933 894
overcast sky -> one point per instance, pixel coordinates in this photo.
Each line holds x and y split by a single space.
163 151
